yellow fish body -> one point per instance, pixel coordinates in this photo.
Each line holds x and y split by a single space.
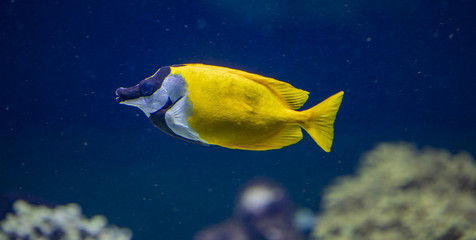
231 108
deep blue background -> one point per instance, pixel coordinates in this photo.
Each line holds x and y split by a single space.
407 68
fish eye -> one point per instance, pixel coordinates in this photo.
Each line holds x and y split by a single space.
146 89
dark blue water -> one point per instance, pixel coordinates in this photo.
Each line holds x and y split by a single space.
407 68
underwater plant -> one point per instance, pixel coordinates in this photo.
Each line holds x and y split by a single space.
66 222
400 192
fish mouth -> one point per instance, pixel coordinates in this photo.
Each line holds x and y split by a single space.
119 98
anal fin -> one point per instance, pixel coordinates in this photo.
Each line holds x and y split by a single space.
289 135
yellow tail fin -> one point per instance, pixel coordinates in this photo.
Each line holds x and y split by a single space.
320 124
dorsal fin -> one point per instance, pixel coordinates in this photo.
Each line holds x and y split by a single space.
294 97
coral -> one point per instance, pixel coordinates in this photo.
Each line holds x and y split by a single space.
399 193
61 223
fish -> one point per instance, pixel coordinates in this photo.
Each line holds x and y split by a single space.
214 105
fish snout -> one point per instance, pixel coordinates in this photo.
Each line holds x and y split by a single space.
123 94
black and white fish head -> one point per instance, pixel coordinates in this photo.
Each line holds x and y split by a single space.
153 93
